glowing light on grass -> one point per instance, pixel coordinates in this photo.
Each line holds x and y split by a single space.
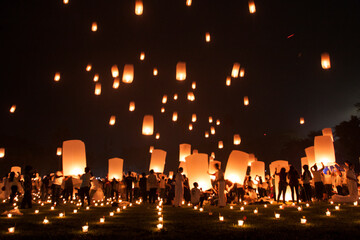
240 223
11 230
85 228
277 215
303 220
45 221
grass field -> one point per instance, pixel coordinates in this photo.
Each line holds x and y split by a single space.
140 222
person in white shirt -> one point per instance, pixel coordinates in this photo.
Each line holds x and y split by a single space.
319 185
220 180
162 187
152 182
179 188
56 187
195 194
328 183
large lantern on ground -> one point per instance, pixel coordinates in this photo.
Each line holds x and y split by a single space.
115 168
148 125
258 169
197 167
74 157
181 71
236 166
157 161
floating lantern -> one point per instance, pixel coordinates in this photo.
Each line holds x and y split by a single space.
57 77
220 145
2 152
116 83
159 226
181 71
210 119
237 139
45 221
157 136
256 211
88 67
193 85
236 166
36 211
325 61
193 118
240 223
98 89
85 228
114 71
155 72
246 100
218 122
190 127
175 96
337 207
61 215
235 70
9 215
142 56
139 8
302 120
94 27
13 108
188 3
197 168
148 125
74 157
277 215
162 110
157 161
115 168
207 37
175 116
191 96
242 72
128 73
65 1
112 120
252 8
151 149
206 134
303 220
184 151
111 214
132 106
324 150
228 81
59 151
164 99
328 132
212 130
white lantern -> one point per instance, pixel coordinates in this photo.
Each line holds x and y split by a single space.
2 152
94 27
115 168
175 116
157 161
324 150
184 151
148 125
236 166
325 61
74 157
59 151
128 73
181 71
57 77
197 167
237 139
116 83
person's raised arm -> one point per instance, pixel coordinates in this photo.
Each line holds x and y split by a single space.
322 166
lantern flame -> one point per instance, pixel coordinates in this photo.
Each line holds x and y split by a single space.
252 8
325 61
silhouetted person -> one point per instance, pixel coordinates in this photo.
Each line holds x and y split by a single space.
57 182
27 199
293 176
153 185
142 184
85 186
306 178
13 185
69 188
129 186
282 183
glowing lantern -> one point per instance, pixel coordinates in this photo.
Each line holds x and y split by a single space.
155 72
206 134
228 81
139 8
184 151
212 130
277 215
181 71
164 99
242 72
190 127
302 120
94 27
157 136
220 145
128 74
98 89
221 218
218 122
115 168
240 223
148 125
212 155
162 109
142 56
157 161
210 119
235 70
310 155
207 37
183 165
304 161
151 149
65 1
252 8
193 118
328 132
193 85
85 228
251 159
303 220
278 165
237 139
15 169
246 101
13 108
175 96
324 150
59 151
236 166
2 152
328 213
175 116
191 96
114 71
96 77
197 167
325 61
132 106
74 157
212 168
57 77
258 168
116 83
188 3
88 67
112 120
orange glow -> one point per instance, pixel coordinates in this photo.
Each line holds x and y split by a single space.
235 70
206 134
162 110
220 145
157 136
88 67
207 37
191 96
218 122
148 125
57 77
98 89
242 72
324 150
74 157
302 120
175 96
13 108
114 71
132 106
193 118
237 139
96 77
188 3
142 56
139 8
252 8
94 27
116 168
164 99
112 120
175 116
128 74
155 72
181 71
116 83
2 152
151 149
193 85
246 101
210 119
228 81
212 130
157 161
328 132
184 151
190 127
66 1
236 166
325 61
59 151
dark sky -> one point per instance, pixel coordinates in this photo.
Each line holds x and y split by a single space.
283 76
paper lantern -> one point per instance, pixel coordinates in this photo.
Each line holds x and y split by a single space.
302 120
112 120
188 3
2 152
193 118
116 83
128 74
16 169
115 169
242 72
237 139
228 81
210 119
13 108
114 71
328 132
197 167
191 96
304 161
310 155
74 157
193 85
155 72
184 151
57 77
142 56
251 159
183 165
235 70
246 101
148 125
132 106
157 161
157 136
190 127
65 1
212 155
181 71
325 61
94 27
175 96
207 37
236 166
59 151
278 165
324 150
98 89
171 174
218 122
164 99
220 145
139 8
151 149
175 116
252 8
258 168
206 134
96 77
212 130
88 67
162 110
212 168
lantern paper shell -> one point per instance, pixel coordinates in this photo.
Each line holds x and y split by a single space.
220 144
246 100
206 134
324 150
114 71
207 37
65 1
132 106
242 72
57 77
142 56
175 116
96 77
94 27
310 155
193 85
181 71
98 89
193 118
162 110
252 8
197 167
190 127
302 120
236 166
157 136
280 164
325 61
2 152
157 161
128 74
59 151
235 70
212 130
74 157
164 99
251 159
155 72
88 67
112 120
258 168
210 119
13 108
184 151
237 139
188 3
115 168
148 125
328 132
16 170
139 8
175 96
116 83
228 81
191 96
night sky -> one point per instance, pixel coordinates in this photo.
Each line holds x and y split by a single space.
283 76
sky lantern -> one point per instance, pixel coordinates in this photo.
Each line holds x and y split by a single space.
94 27
112 120
235 70
164 99
206 134
310 155
237 139
193 85
252 8
258 168
252 159
193 118
162 110
278 164
128 74
212 163
148 125
157 161
188 3
210 119
2 152
304 161
236 166
73 158
96 77
175 116
328 132
184 151
157 136
57 77
98 89
197 167
302 120
13 108
246 100
190 127
324 150
220 145
155 72
175 96
116 83
325 60
88 67
151 149
228 81
218 122
132 106
142 56
207 37
139 8
114 71
242 72
65 1
212 130
191 96
181 71
115 168
59 151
